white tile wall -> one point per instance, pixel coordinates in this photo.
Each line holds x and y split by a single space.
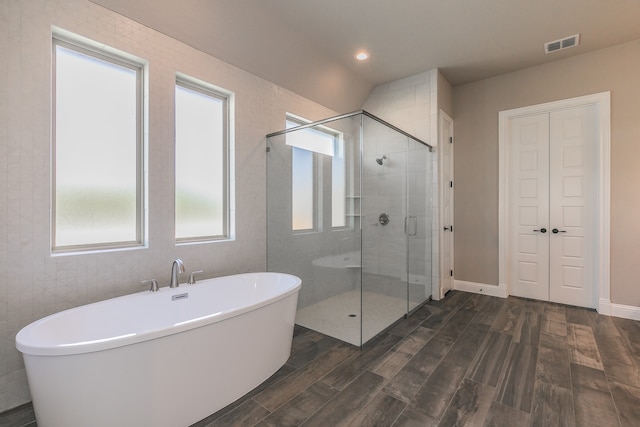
406 104
32 282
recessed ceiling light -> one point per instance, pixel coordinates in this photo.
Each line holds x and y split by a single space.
362 55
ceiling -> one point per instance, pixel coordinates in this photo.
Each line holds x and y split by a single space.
308 46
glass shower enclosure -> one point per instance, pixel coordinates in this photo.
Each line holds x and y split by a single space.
349 211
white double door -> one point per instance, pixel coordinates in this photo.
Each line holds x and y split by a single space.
553 203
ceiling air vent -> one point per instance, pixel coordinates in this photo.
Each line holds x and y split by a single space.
564 43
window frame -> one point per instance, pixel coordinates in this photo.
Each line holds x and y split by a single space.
318 192
315 223
196 85
92 49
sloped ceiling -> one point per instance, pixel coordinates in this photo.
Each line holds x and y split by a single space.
307 46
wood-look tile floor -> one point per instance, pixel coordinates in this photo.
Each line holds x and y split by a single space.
468 360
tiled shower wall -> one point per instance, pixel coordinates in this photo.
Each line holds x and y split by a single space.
398 188
32 282
411 105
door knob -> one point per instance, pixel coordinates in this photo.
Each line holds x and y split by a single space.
542 230
556 231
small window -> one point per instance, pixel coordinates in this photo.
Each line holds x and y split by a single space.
98 189
338 184
310 147
201 145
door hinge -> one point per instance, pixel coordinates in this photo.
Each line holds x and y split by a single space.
451 273
268 149
450 184
450 140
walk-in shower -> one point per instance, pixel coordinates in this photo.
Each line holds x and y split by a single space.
358 234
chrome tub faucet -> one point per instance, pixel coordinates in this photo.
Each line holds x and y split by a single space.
176 269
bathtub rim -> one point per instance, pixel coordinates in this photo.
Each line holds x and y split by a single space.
64 349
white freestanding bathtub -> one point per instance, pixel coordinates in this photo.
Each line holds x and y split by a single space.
167 358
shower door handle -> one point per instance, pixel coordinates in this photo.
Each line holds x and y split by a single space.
411 225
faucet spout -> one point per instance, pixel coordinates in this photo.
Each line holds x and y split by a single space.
176 269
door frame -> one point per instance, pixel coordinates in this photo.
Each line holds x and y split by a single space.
602 101
444 120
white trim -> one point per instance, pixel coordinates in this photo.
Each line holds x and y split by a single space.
443 117
602 101
624 311
480 288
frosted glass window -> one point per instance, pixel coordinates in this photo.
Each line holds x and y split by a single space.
98 195
201 162
302 189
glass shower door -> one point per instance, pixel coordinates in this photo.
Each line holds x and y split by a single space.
313 222
384 241
418 224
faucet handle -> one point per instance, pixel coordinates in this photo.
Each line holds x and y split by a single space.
154 284
192 279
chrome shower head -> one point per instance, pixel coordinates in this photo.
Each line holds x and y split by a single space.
381 159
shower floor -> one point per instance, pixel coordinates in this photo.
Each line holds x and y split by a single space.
333 316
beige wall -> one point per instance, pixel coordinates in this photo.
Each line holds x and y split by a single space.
615 69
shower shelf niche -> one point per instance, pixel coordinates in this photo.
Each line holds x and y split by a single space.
353 206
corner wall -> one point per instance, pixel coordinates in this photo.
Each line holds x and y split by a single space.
445 95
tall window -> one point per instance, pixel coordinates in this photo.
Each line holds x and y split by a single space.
202 139
98 191
310 148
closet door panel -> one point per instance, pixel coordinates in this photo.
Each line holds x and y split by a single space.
572 202
529 213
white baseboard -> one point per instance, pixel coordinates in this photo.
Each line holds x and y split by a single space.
605 306
619 310
480 288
